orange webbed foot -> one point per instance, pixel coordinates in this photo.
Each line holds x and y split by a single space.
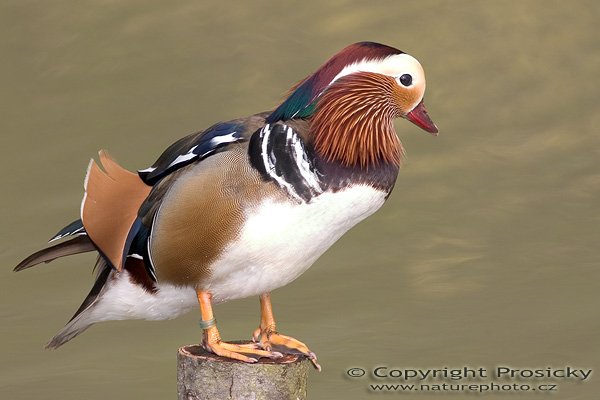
268 339
241 352
211 339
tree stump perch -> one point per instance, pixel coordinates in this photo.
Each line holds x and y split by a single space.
203 375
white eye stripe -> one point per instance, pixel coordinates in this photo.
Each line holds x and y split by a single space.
394 66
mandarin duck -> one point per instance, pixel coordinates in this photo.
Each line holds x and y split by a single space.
245 206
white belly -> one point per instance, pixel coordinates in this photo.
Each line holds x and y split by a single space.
281 240
278 242
123 299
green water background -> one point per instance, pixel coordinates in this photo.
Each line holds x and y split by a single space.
485 255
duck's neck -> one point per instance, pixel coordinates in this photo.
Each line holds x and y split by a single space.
353 123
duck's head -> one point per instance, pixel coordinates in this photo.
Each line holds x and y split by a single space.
365 57
353 99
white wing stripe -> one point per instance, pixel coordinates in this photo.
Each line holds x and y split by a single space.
229 138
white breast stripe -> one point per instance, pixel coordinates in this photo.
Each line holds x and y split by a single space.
269 161
310 176
264 135
286 160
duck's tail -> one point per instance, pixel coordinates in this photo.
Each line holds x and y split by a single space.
81 243
110 207
82 320
109 210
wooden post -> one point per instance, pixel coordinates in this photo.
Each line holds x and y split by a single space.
203 375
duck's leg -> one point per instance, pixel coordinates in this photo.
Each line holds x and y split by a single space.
212 342
267 335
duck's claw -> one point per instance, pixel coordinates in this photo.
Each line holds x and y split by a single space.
240 351
313 359
271 339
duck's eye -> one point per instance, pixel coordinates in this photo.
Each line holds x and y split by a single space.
406 79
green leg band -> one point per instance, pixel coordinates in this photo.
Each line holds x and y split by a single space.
207 324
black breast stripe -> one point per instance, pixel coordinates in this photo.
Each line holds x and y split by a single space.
282 156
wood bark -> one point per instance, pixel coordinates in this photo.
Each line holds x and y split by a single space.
203 375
